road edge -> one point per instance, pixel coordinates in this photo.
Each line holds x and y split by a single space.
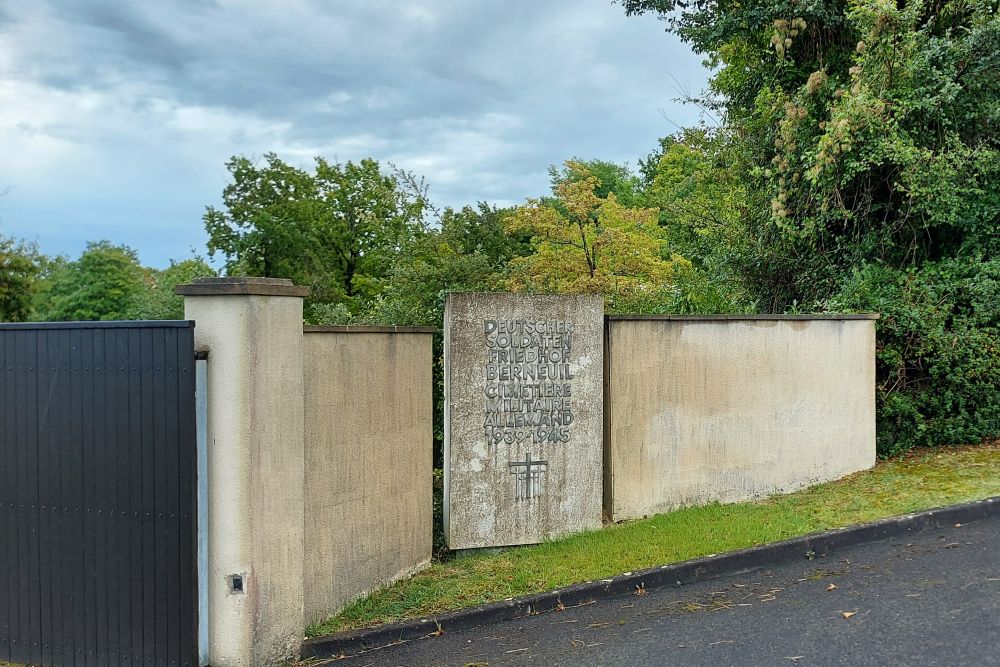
351 642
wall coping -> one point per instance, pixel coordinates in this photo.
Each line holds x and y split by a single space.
737 318
241 286
100 324
360 329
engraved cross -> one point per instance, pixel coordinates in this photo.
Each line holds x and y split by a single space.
528 476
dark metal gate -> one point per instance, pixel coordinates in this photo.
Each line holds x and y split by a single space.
98 494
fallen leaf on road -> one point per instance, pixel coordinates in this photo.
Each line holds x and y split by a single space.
640 589
848 614
958 525
831 587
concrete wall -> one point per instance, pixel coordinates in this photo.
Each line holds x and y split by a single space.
319 463
320 443
252 330
726 409
368 450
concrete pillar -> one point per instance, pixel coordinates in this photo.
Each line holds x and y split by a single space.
252 330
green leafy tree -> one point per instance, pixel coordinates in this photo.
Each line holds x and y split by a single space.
338 229
866 130
19 269
469 251
105 283
866 135
702 203
158 301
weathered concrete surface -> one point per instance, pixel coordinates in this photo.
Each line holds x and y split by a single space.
719 410
555 433
255 469
368 453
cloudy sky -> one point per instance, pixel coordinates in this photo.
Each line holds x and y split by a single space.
117 116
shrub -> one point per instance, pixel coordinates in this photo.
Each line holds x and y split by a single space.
938 350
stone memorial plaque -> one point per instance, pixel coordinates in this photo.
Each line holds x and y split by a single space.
524 406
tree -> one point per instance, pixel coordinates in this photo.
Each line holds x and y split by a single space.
586 243
866 134
866 130
702 204
611 178
105 283
338 229
470 251
159 302
19 270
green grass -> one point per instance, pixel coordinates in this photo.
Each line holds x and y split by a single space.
919 480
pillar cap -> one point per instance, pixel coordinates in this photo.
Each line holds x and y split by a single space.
241 286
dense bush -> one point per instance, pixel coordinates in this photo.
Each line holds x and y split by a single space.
938 350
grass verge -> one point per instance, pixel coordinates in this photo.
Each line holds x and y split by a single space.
918 480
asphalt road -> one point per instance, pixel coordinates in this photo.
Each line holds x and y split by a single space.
930 599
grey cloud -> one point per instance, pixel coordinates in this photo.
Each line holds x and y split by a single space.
133 36
480 96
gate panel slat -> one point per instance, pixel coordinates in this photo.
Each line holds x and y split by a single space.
34 610
102 453
187 500
10 423
6 512
102 476
73 500
122 468
46 451
23 502
135 495
123 465
171 476
10 485
88 460
62 639
148 501
112 555
19 648
160 525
